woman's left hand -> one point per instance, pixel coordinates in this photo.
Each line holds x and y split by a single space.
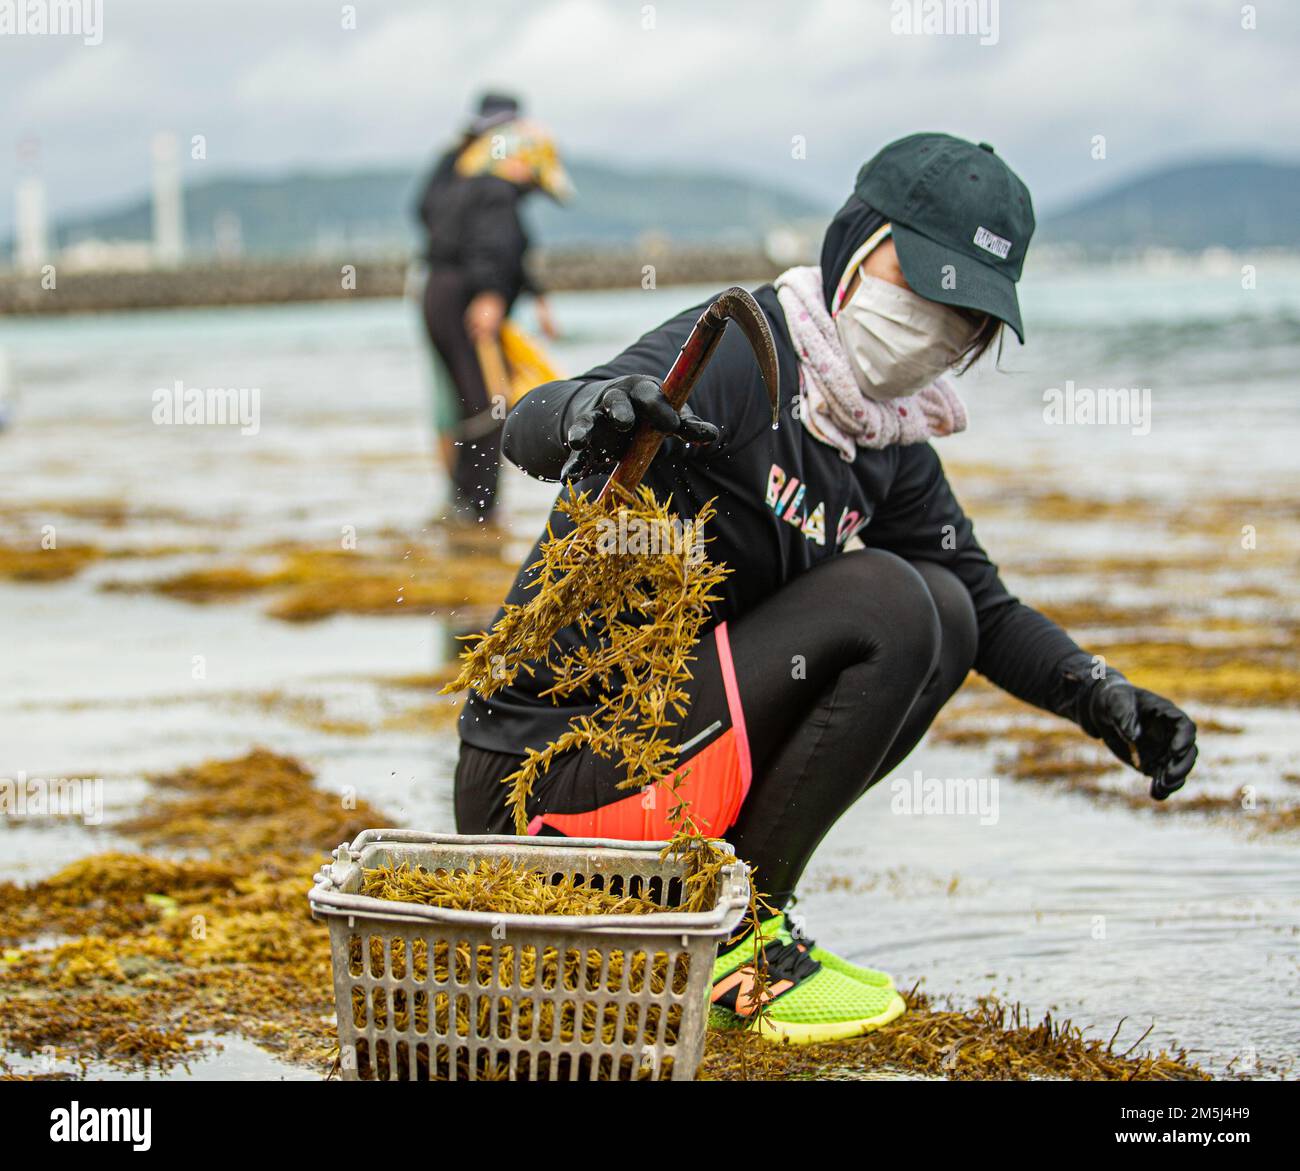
1145 731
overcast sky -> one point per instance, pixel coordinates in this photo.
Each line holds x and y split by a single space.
280 84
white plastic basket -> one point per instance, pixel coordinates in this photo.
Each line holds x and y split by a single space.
427 993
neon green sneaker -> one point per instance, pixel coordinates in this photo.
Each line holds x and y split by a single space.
828 959
804 1001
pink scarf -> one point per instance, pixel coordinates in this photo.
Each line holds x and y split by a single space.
835 410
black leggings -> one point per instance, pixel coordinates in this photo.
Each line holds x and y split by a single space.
840 674
475 464
883 644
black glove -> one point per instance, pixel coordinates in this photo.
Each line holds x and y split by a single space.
1143 729
602 428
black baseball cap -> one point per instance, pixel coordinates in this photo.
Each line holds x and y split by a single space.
961 220
494 109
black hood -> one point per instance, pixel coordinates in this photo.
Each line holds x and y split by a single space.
845 234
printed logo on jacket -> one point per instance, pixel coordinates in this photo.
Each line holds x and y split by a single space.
786 496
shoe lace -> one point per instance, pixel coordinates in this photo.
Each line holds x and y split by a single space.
785 965
789 961
797 927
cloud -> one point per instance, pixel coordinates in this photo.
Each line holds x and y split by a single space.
77 87
726 84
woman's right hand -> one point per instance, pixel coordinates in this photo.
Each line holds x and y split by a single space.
603 428
484 315
545 318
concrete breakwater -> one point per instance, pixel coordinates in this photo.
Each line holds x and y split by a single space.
55 291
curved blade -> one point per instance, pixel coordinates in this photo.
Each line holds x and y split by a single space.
739 306
733 305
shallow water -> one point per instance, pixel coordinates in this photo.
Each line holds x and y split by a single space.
223 1058
1097 913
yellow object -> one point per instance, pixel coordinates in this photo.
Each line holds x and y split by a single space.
492 364
527 364
521 150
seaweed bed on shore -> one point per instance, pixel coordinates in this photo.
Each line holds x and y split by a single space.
1223 645
309 584
391 576
124 958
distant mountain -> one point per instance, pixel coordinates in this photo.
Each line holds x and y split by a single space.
1236 204
320 212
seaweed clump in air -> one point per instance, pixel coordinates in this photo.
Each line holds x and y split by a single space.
639 603
636 583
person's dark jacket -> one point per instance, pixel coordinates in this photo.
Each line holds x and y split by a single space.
473 226
785 501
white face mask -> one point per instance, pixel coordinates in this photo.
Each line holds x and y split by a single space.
897 341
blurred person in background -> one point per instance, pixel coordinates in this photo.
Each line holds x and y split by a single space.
476 253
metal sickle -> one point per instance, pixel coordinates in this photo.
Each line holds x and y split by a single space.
733 305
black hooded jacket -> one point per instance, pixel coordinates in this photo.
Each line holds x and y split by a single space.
785 501
474 226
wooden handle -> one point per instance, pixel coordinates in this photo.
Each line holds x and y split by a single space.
677 386
636 459
493 365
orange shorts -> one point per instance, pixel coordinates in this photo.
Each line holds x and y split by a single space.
714 778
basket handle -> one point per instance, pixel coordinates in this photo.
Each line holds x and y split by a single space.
343 866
